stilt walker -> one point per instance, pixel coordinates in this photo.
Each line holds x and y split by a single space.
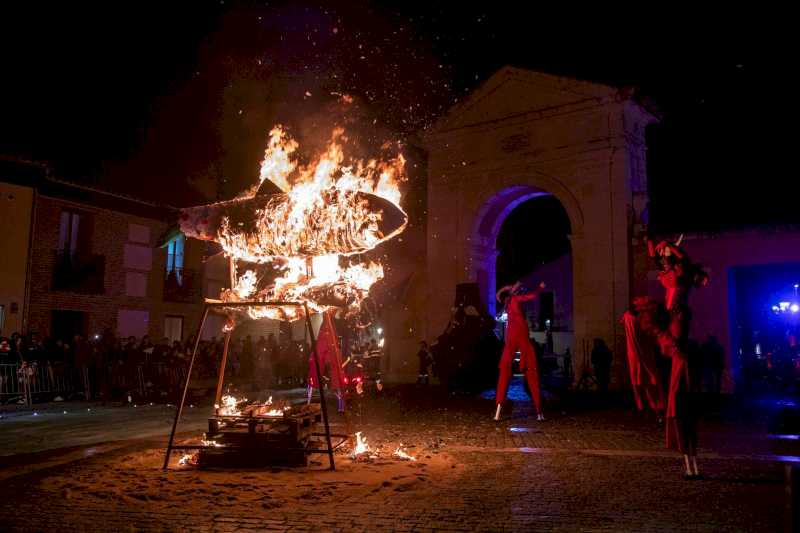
668 325
517 340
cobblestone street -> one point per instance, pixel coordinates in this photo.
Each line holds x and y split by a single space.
590 470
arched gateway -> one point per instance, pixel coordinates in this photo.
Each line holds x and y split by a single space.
524 134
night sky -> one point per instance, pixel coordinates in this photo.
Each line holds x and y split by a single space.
145 98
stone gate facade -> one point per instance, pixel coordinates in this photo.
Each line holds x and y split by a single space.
524 134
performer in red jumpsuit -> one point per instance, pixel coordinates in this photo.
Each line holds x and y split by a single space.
678 275
517 340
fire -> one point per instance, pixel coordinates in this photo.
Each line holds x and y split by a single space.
399 453
276 411
330 211
361 446
230 406
188 460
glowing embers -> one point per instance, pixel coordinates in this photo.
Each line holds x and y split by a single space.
262 434
362 452
402 455
188 459
233 407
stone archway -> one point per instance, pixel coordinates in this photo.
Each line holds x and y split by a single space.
525 134
482 252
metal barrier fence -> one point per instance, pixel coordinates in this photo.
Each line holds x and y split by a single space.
23 381
26 383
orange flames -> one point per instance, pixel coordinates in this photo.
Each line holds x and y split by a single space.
210 443
362 451
229 406
330 211
361 448
400 454
188 459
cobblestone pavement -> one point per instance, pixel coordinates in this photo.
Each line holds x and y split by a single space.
596 470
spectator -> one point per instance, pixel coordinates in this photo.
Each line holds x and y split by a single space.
7 359
425 361
247 361
714 362
601 361
83 361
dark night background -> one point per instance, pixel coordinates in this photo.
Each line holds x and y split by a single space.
142 97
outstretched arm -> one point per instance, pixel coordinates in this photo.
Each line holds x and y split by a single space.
506 288
533 294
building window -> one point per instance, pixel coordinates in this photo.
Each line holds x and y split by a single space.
136 284
173 328
68 232
132 322
76 269
138 234
175 256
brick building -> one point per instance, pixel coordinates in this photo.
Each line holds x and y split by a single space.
99 261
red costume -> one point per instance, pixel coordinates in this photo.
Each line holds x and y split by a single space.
642 364
678 276
517 340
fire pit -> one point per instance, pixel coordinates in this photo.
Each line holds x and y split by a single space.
260 436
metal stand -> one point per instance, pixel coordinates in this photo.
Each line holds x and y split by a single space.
185 386
208 306
222 365
321 386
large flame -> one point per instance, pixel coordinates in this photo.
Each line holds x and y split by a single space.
331 210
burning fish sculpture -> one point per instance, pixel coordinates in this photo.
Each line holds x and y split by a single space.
302 240
264 227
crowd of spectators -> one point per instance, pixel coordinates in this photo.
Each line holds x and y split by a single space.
107 367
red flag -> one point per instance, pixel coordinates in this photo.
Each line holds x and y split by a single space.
328 353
